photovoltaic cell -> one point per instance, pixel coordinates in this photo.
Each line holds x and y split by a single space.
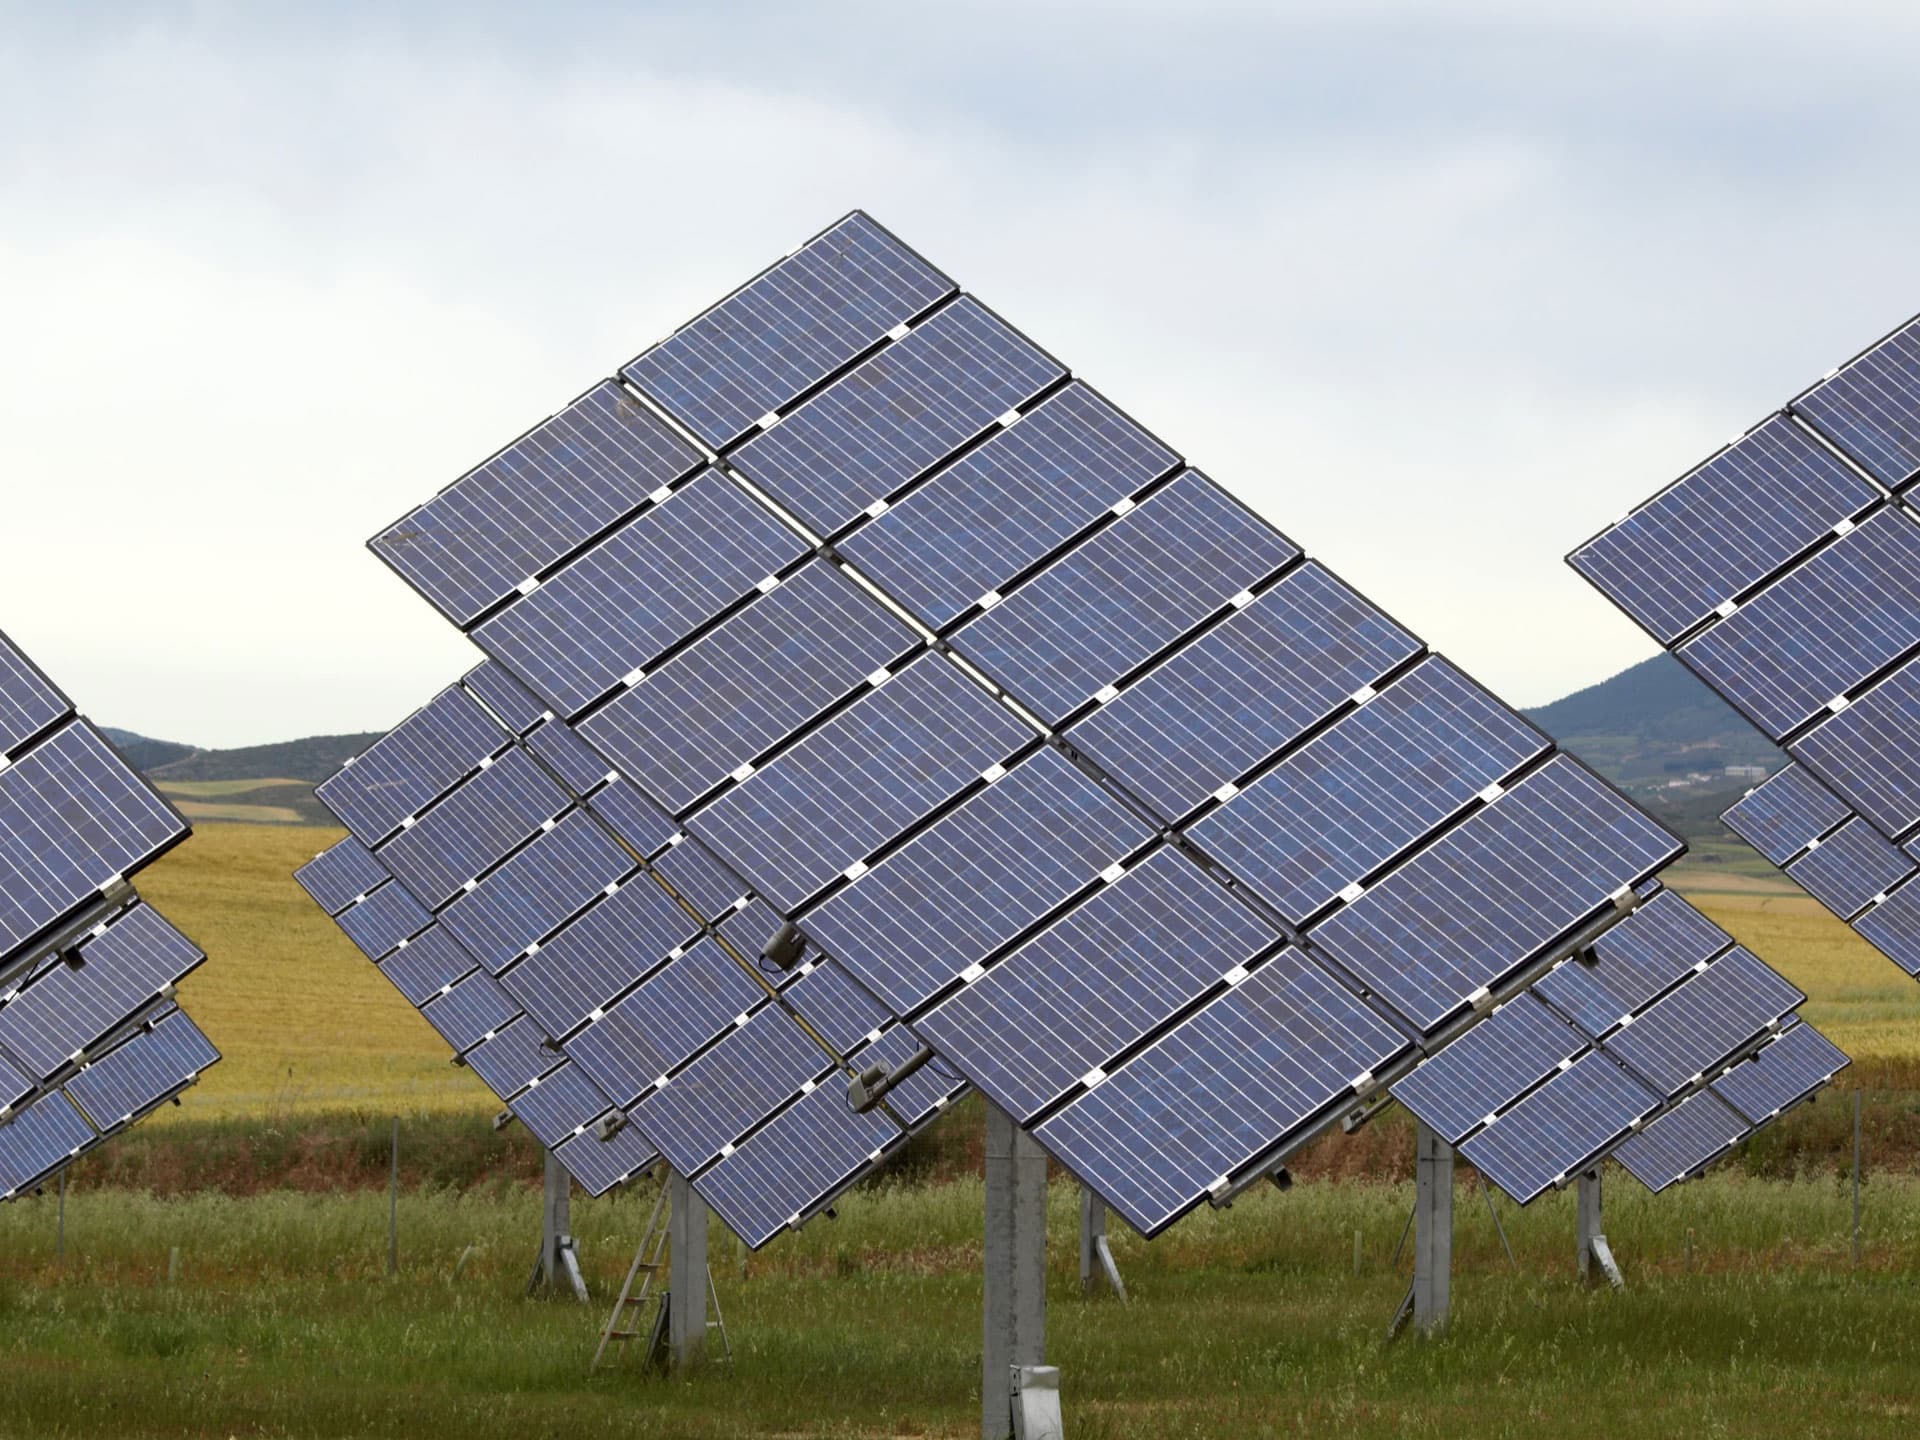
1780 817
758 349
1705 1020
1006 504
381 921
511 702
1754 508
1279 1049
598 1165
597 957
1486 1069
558 1105
1871 408
1437 930
896 416
1085 990
1866 752
473 1009
1555 1131
403 772
535 892
646 587
1107 606
972 882
14 1087
147 1068
664 1022
29 702
698 878
1893 927
1243 690
427 964
633 817
835 1005
1682 1142
473 828
1647 953
542 497
1788 1069
567 756
701 1111
745 686
1363 792
340 875
38 1141
1819 632
1848 869
513 1058
860 780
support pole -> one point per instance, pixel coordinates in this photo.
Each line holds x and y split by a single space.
393 1204
60 1235
1015 1331
1596 1257
1096 1256
1856 1180
687 1278
1433 1232
558 1267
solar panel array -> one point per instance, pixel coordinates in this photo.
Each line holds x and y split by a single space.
1158 832
1785 572
559 933
1597 1056
90 1037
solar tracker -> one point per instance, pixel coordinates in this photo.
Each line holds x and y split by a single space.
1869 408
90 1039
1849 868
1781 1074
1560 1128
1682 1142
1784 815
1118 655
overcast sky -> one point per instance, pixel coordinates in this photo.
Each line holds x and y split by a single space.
1440 288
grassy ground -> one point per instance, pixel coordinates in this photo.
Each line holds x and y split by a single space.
1742 1316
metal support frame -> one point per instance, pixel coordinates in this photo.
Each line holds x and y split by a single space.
688 1280
1096 1256
1014 1342
1430 1294
1596 1258
557 1264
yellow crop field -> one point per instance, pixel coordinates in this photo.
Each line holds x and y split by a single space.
304 1022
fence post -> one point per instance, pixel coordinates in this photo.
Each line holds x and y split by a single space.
393 1205
1856 1179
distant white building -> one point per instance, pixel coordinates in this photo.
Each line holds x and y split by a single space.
1746 772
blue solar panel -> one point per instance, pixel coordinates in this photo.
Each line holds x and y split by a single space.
39 1140
697 1115
1757 506
744 687
473 828
951 896
1082 625
425 965
472 1010
1817 634
513 1058
1787 1070
147 1068
598 1165
873 432
403 772
1276 1052
800 1158
1705 1020
512 703
859 781
646 587
386 917
569 757
1682 1142
1006 505
340 875
633 817
1367 790
1244 690
1866 752
1489 1067
1893 927
1871 408
1780 817
699 878
664 1022
1087 989
69 1008
614 944
537 891
1560 1128
73 820
534 503
559 1105
834 1004
1437 931
788 329
1646 954
29 701
1851 867
14 1087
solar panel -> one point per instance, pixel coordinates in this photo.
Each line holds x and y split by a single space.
425 965
512 704
1870 408
29 701
387 917
838 1009
472 1009
146 1069
722 703
786 330
1704 1021
41 1139
608 949
699 878
341 874
1893 927
1634 963
1850 867
1785 814
1081 626
474 828
567 756
642 824
1865 752
598 1165
556 487
1682 1142
539 889
1781 1074
1364 792
1812 638
1769 498
1556 1131
559 1105
921 1095
1489 1067
403 772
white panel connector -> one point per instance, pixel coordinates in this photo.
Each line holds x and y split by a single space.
633 678
662 495
546 825
1121 507
1838 703
1105 693
1363 694
1093 1077
1492 793
1480 998
1353 892
486 762
409 822
739 1019
807 1088
1226 792
528 585
1362 1081
742 772
768 420
993 772
772 582
1235 975
855 870
968 975
1008 420
898 332
1112 873
879 677
989 600
877 509
1725 608
1843 527
471 886
1242 600
596 1014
